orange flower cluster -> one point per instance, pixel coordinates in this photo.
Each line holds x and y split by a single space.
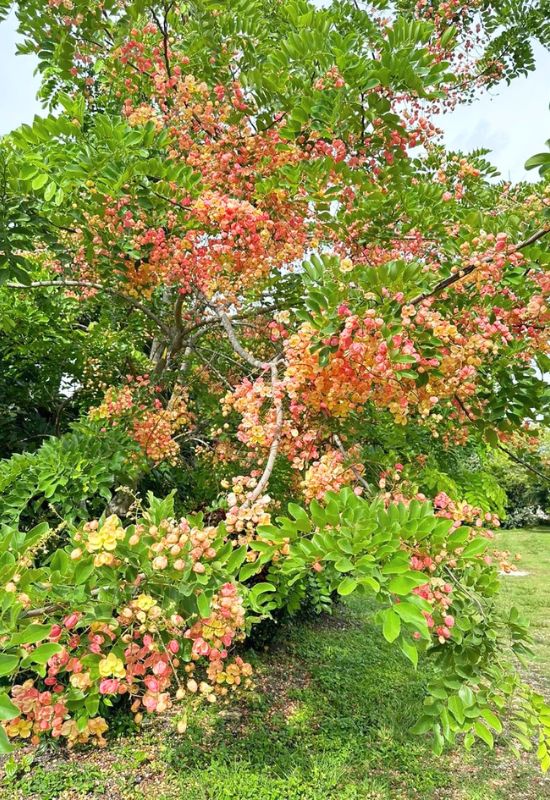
330 473
242 517
150 424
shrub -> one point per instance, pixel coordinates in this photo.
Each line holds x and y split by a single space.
148 613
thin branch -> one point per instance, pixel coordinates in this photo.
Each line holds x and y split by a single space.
235 343
277 399
279 418
353 467
163 30
520 461
465 589
39 612
504 449
100 287
458 276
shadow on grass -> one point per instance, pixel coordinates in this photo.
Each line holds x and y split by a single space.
330 719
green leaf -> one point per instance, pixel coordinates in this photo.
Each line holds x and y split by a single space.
422 726
5 744
50 190
30 635
492 719
410 651
404 584
391 627
537 160
411 614
7 709
347 586
397 565
248 571
203 605
260 588
475 547
236 559
40 181
83 571
456 707
43 653
8 664
343 565
484 733
302 520
439 742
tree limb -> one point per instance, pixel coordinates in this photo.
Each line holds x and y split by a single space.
458 276
270 463
100 287
353 467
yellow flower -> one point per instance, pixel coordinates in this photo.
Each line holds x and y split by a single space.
106 537
97 726
346 265
20 727
81 680
144 602
111 665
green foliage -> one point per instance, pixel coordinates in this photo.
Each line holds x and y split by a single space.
69 477
540 160
123 186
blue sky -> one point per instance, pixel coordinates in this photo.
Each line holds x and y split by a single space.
512 121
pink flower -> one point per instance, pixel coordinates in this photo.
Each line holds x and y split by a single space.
56 632
150 702
71 620
152 683
201 648
109 686
160 667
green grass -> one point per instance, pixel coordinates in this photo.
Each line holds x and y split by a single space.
328 721
531 594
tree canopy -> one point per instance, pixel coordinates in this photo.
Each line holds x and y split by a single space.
240 269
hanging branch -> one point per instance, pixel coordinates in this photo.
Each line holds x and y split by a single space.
353 467
279 418
500 446
524 464
462 273
277 399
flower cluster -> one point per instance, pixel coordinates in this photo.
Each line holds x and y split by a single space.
243 517
101 540
150 424
329 473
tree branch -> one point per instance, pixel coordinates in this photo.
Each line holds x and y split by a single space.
235 343
353 467
458 276
270 463
523 463
100 287
511 455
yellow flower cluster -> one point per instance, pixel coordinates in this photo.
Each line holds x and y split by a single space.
112 665
106 537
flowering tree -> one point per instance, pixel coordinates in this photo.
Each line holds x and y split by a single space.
275 287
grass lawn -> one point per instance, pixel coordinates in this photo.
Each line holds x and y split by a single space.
531 594
328 721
